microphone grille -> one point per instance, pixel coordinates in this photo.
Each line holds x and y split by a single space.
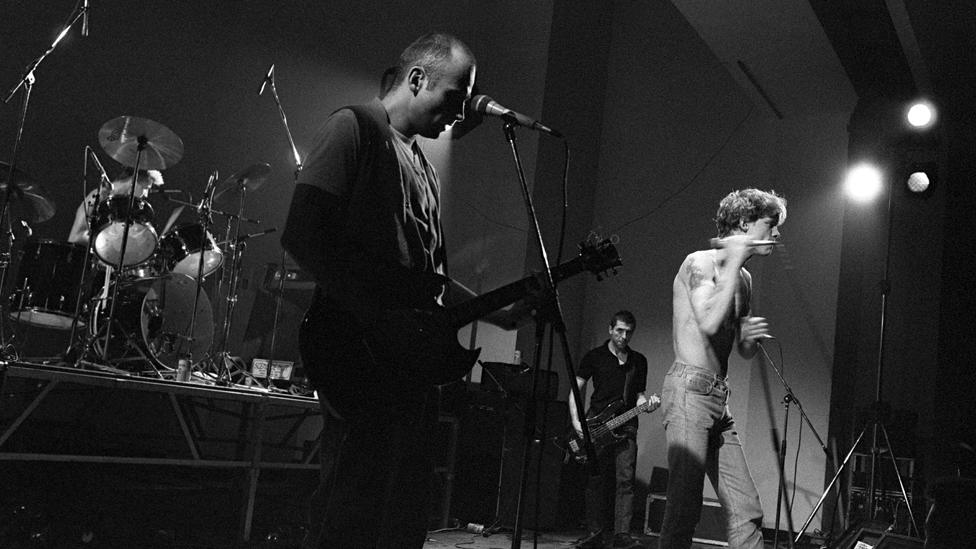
480 103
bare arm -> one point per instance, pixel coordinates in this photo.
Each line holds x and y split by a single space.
712 291
751 328
573 412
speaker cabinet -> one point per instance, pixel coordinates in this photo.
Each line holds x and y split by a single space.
489 461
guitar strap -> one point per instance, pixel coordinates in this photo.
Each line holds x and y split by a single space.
627 381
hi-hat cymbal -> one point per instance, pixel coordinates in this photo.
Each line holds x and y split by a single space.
27 199
120 138
251 178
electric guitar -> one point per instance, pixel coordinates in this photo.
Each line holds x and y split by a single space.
602 427
424 343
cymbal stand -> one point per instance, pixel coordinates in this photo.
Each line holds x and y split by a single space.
125 241
70 354
223 356
27 79
185 364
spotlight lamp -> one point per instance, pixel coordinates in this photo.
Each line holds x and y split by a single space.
920 177
920 115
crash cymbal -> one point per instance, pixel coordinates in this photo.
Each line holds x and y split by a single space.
251 178
120 139
27 199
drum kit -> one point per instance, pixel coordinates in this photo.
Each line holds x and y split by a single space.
133 299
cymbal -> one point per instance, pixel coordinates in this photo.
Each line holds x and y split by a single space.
120 139
251 178
27 200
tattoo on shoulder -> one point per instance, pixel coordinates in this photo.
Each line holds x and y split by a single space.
695 274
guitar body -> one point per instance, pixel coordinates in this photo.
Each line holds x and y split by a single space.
600 435
605 427
423 345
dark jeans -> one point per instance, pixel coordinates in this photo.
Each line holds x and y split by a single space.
613 486
702 440
374 489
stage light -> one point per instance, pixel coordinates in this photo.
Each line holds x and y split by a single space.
918 182
920 114
921 177
863 182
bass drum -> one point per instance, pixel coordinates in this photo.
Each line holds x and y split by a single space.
153 322
47 284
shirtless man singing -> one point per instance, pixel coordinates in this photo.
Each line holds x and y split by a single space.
711 295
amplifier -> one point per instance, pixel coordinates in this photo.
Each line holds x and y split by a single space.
295 278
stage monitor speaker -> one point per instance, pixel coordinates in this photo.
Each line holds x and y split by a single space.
863 537
898 541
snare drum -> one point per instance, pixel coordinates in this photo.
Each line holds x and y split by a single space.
110 226
181 249
48 284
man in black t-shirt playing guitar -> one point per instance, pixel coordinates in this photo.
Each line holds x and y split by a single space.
619 374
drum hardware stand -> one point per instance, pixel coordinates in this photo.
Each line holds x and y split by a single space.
70 355
183 372
27 79
125 241
223 361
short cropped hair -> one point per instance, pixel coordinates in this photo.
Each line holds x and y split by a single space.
433 52
747 206
624 316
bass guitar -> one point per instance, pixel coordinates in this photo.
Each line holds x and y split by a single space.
602 427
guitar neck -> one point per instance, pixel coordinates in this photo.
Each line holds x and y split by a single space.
625 417
473 309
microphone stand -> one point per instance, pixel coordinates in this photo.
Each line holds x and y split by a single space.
282 270
790 397
549 313
26 81
779 445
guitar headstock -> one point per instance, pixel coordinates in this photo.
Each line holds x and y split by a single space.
599 256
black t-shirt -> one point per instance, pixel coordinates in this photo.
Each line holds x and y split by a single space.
609 376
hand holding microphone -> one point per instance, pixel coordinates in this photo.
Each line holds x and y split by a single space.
754 329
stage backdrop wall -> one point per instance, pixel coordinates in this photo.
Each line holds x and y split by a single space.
676 133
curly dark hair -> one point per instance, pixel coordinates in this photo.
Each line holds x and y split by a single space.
746 206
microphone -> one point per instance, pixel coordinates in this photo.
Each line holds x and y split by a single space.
242 238
98 164
84 19
267 78
720 243
487 105
208 191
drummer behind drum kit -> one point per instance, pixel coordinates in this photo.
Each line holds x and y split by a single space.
134 301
